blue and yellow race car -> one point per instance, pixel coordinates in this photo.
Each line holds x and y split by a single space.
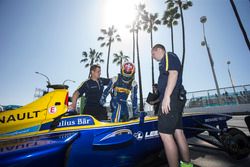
43 133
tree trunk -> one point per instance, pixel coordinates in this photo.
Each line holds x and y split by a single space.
139 73
152 61
183 38
91 63
121 66
240 24
108 57
133 46
172 37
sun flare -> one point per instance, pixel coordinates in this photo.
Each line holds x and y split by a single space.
119 12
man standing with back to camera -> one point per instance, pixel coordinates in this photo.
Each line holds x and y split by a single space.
173 99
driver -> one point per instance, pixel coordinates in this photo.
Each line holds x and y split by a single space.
120 87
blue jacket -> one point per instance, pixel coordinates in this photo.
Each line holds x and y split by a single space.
120 91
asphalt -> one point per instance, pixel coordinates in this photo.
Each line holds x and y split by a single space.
212 156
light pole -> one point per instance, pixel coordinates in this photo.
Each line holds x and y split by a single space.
230 76
48 81
203 20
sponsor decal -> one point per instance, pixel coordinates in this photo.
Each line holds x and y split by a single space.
24 145
68 122
19 117
22 131
64 123
79 121
148 135
52 110
151 134
139 135
215 119
116 133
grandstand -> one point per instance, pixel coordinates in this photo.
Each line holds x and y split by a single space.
232 99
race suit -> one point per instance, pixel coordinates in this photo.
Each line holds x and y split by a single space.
119 94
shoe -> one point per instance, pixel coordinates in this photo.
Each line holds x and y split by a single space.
184 164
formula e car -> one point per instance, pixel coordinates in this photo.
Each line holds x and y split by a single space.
43 133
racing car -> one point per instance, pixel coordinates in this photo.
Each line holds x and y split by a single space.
44 133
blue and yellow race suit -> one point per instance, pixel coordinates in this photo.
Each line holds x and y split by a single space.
120 91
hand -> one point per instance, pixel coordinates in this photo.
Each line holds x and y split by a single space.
166 105
102 101
136 114
151 103
71 107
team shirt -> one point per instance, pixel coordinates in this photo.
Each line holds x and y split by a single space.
169 62
93 90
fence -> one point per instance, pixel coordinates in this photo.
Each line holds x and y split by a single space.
229 96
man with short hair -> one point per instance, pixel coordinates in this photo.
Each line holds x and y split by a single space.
93 89
172 103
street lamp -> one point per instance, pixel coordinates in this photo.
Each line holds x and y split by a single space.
203 20
68 80
48 81
230 76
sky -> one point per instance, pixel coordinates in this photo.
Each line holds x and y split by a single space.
49 36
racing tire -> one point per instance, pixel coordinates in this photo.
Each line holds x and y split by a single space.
247 120
236 143
234 131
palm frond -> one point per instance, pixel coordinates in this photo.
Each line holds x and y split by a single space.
83 60
115 55
117 36
168 1
158 22
100 38
115 60
103 44
170 4
189 3
104 31
175 23
85 54
155 28
145 27
177 16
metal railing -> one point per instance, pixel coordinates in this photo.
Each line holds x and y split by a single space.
205 98
209 98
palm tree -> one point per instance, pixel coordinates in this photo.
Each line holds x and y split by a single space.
185 6
170 18
110 35
132 30
181 5
140 11
92 57
240 23
120 58
150 22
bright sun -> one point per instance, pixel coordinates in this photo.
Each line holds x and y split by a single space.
119 12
